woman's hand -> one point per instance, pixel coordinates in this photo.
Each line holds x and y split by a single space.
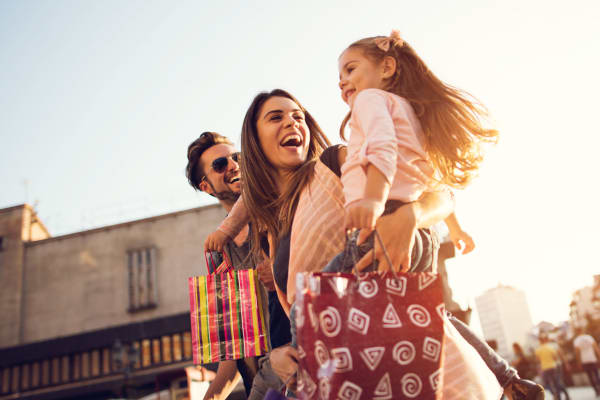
216 241
265 274
397 232
284 362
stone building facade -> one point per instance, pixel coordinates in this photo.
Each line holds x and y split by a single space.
69 302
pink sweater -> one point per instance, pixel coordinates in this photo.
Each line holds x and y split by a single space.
386 133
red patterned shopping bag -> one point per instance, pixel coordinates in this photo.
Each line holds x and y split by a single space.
369 336
228 315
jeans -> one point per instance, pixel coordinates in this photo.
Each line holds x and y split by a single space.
591 369
264 380
552 381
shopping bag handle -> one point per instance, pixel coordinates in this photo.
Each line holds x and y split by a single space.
209 265
354 254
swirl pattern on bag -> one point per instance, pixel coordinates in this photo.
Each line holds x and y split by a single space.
434 379
404 352
349 391
321 353
342 359
396 286
411 385
419 315
331 322
432 349
358 321
368 288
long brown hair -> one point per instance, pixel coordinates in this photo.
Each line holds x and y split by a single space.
270 210
451 119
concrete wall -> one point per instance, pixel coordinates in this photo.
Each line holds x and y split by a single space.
79 282
11 272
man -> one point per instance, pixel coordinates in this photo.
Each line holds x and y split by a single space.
549 358
588 355
213 168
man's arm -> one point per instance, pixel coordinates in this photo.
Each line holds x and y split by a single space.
225 380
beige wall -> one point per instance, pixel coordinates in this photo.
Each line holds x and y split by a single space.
11 270
78 282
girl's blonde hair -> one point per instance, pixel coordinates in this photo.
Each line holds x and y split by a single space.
270 211
451 119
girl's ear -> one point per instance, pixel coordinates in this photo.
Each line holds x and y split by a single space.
389 67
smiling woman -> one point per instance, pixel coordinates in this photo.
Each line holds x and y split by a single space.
281 143
283 133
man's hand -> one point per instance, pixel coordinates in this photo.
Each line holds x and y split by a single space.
216 241
265 274
284 362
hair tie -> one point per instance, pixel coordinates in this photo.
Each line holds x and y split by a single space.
383 43
396 38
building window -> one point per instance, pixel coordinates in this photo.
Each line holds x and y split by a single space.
141 272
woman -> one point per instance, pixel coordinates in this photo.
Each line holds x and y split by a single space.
281 147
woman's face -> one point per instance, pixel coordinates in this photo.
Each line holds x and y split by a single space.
283 133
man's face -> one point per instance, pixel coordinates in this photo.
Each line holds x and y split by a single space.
223 183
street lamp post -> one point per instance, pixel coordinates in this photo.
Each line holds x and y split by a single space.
124 359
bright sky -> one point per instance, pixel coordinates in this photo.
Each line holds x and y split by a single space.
99 100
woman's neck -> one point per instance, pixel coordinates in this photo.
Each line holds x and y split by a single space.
284 178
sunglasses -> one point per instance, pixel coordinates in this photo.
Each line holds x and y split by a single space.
219 165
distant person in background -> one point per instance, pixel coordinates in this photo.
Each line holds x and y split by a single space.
549 359
588 356
524 365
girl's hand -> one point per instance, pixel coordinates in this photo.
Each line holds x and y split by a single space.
284 362
397 233
216 241
363 214
462 241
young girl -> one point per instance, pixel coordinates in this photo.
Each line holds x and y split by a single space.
409 133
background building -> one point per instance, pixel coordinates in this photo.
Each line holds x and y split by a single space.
585 305
97 312
504 316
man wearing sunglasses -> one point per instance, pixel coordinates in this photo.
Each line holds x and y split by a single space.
213 168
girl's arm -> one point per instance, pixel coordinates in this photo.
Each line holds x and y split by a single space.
364 213
231 226
461 239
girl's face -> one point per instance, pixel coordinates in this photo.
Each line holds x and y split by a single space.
357 73
283 133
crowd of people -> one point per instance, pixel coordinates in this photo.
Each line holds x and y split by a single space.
298 204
